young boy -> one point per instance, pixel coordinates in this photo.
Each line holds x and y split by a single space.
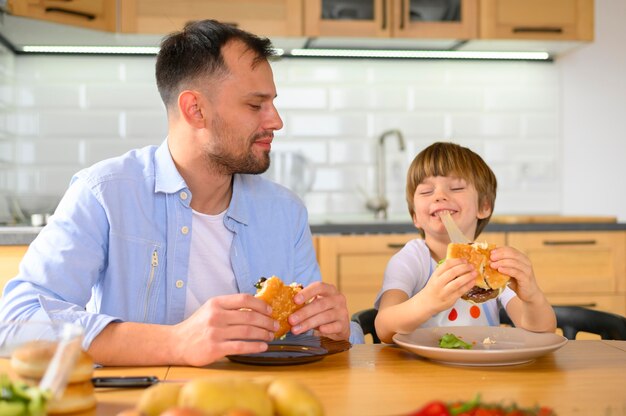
416 291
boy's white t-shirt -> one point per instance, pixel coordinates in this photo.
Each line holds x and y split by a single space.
210 271
409 271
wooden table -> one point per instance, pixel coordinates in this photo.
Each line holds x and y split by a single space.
581 378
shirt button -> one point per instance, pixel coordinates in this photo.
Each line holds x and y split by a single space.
184 230
179 284
183 195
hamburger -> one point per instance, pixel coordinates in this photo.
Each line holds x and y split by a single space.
30 361
280 297
489 282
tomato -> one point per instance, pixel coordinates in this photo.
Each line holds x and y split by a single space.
488 412
545 411
436 408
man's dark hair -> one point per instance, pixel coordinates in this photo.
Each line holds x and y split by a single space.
195 52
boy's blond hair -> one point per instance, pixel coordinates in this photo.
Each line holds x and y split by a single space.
451 159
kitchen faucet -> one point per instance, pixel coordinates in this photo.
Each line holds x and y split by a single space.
379 203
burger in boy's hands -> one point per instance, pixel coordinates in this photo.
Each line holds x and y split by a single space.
489 282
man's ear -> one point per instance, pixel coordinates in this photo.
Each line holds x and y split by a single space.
191 109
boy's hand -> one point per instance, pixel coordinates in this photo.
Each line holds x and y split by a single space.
450 280
516 264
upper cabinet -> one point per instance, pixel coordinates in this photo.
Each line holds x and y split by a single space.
382 19
262 17
537 19
90 14
428 19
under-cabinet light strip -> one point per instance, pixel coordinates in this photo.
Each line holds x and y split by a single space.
407 54
321 53
124 50
117 50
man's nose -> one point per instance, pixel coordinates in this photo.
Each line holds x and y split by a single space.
274 122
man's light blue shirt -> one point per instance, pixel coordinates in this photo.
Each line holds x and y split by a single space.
117 247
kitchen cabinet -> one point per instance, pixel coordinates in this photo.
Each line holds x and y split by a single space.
90 14
10 258
391 19
537 19
585 268
261 17
356 263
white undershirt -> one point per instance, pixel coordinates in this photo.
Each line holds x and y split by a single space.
210 271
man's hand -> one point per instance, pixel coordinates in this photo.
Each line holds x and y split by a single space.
325 310
224 325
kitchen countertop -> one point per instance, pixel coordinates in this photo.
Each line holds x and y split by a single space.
24 235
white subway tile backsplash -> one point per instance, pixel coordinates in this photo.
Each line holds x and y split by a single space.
71 69
55 180
64 124
534 99
7 152
325 71
485 73
368 98
349 178
48 96
24 123
123 95
91 108
481 125
315 151
447 99
540 125
352 151
47 152
417 124
407 72
298 98
326 125
146 124
92 151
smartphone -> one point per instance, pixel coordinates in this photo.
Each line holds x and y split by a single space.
137 381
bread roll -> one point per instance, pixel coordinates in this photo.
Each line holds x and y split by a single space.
280 297
31 360
489 282
77 397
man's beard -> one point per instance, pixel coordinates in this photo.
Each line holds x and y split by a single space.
226 162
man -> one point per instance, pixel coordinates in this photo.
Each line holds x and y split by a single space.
155 253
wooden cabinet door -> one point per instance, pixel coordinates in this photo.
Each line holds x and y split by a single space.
91 14
347 18
416 19
261 17
577 268
537 19
356 264
10 258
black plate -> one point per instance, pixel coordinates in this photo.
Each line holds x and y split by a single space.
293 350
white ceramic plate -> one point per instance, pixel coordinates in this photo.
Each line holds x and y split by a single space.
511 345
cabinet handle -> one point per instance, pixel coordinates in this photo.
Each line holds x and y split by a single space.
546 29
384 13
569 243
402 16
395 245
87 16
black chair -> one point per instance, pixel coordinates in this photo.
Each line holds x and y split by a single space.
574 319
365 319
